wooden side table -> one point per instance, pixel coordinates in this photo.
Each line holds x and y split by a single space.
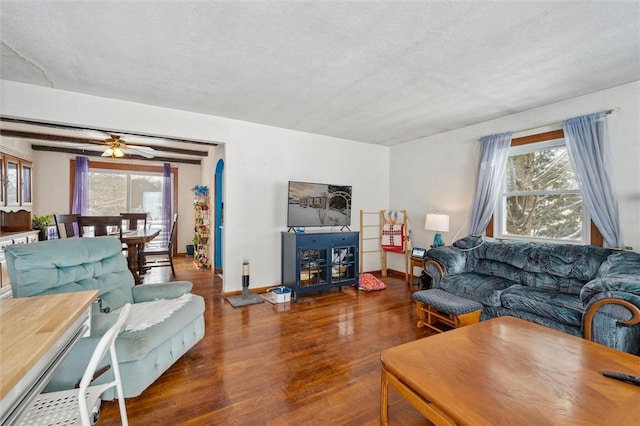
414 262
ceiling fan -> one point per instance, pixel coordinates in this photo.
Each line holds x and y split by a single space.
117 148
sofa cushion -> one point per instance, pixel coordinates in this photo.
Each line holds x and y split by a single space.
497 269
559 267
485 289
621 263
558 306
551 282
514 253
579 262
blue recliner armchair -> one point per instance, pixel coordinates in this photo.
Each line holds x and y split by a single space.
170 320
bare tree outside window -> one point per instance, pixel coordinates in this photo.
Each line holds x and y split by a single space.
107 193
541 198
112 193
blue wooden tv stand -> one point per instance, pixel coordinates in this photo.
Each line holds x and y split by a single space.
318 261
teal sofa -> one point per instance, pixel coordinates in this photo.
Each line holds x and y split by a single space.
586 291
76 264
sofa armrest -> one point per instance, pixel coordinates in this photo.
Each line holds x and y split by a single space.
149 292
434 270
441 261
612 318
618 283
451 260
597 304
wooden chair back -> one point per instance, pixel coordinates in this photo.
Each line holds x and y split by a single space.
102 225
163 256
172 236
67 225
134 220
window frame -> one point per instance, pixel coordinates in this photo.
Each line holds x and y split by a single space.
591 234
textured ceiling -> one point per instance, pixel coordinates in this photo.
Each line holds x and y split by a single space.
382 72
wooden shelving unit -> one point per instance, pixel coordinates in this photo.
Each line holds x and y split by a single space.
202 230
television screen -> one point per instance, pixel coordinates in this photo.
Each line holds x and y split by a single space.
318 204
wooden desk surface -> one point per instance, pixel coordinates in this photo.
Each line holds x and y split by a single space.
510 371
30 326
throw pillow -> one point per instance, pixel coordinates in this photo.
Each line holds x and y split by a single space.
368 282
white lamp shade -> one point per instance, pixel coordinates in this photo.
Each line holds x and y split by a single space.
437 222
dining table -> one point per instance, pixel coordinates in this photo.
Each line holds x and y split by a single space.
135 240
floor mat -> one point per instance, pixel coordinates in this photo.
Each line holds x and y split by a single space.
242 300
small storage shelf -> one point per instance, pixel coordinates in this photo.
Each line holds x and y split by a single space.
201 232
320 260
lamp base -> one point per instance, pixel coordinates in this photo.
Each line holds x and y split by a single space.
437 241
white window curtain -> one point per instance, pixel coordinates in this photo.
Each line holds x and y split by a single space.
587 139
494 152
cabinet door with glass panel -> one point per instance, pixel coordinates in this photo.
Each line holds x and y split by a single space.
26 179
2 181
12 167
16 175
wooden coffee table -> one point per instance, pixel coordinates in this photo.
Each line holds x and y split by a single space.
510 371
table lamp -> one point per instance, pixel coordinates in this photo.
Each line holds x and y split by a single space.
439 223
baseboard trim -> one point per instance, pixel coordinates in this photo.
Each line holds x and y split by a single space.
256 290
397 274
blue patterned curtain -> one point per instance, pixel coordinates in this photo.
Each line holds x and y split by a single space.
166 204
494 151
80 203
587 140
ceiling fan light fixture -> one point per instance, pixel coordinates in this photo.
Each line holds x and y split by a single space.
115 148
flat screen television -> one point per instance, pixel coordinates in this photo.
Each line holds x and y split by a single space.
318 204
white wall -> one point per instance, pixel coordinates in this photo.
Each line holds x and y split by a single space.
259 161
439 172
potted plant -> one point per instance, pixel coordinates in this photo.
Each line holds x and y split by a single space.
41 223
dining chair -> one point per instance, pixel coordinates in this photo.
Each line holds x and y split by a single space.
82 406
100 225
67 225
134 220
162 256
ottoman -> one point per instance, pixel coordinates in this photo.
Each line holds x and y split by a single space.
435 305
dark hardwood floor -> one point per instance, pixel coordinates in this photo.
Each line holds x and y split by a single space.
315 362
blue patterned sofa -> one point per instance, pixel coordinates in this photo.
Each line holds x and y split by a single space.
586 291
163 329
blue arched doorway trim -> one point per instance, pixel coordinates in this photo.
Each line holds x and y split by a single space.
219 205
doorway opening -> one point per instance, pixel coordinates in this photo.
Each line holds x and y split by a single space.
219 215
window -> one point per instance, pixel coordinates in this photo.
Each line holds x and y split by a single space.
540 198
127 188
115 192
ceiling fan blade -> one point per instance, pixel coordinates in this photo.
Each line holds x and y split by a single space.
91 146
144 151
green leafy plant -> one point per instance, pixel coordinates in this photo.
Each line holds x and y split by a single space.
41 222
